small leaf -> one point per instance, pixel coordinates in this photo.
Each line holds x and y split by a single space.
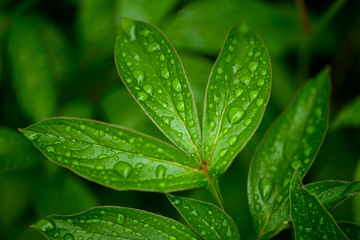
291 142
114 156
310 218
352 230
113 223
332 193
151 70
348 116
16 153
236 96
207 219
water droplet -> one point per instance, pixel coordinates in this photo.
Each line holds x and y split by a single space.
266 187
253 95
235 115
232 140
257 207
219 70
308 229
160 171
45 225
228 232
128 26
141 96
191 123
165 73
261 82
259 102
231 48
120 219
245 79
68 236
238 92
295 164
228 58
212 125
124 169
222 152
279 199
68 129
153 47
177 201
149 89
210 212
176 85
263 72
195 213
224 223
321 221
253 66
247 121
238 65
67 154
180 106
50 149
139 75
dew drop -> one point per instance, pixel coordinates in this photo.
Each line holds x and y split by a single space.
141 96
210 212
219 70
120 219
279 199
308 229
212 125
253 66
228 232
160 171
139 75
261 82
67 154
68 236
259 102
191 123
177 202
238 65
50 149
238 92
162 57
263 72
149 89
153 47
123 169
222 152
224 223
68 129
295 164
232 140
257 207
176 85
228 59
245 79
266 187
45 225
165 73
235 115
128 26
247 122
253 95
195 213
231 48
180 106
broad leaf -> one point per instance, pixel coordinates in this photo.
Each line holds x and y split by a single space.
207 219
332 193
348 116
291 142
15 152
236 96
352 230
310 218
113 223
151 70
114 156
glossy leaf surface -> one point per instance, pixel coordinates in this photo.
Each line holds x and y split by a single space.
352 230
291 142
15 152
236 97
114 156
113 223
207 219
348 116
151 70
332 193
310 218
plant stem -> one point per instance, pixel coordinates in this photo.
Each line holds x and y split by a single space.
328 15
215 191
304 17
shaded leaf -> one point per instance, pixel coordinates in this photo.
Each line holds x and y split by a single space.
15 152
207 219
348 116
291 142
310 218
113 223
151 70
352 230
356 203
114 156
236 97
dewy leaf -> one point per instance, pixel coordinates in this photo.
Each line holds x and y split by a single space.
15 152
113 223
291 142
236 96
151 70
114 156
332 193
207 219
352 230
349 116
310 218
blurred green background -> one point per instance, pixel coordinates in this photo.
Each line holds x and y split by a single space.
56 59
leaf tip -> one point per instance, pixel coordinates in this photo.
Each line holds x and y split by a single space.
44 225
30 135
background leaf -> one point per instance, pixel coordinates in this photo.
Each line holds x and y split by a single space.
113 223
114 156
352 230
151 70
348 116
236 97
291 142
310 218
208 220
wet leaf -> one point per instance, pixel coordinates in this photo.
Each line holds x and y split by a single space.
15 152
291 142
348 116
352 230
114 156
236 97
151 70
207 219
113 223
310 218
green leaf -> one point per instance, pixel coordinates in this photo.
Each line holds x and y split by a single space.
352 230
151 70
332 193
291 142
114 156
236 96
310 218
32 76
113 223
348 116
207 219
356 202
16 153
